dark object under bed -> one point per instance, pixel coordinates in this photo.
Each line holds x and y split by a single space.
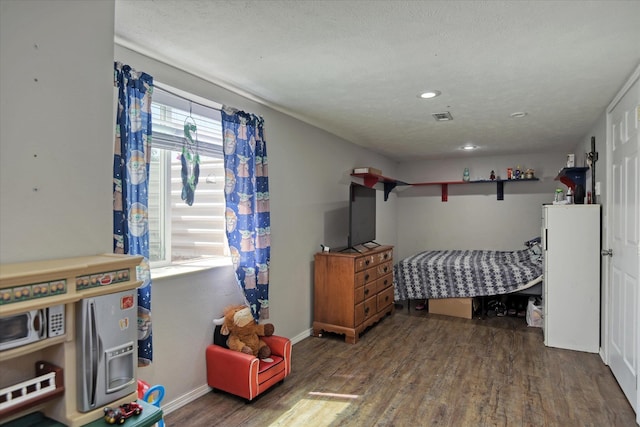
534 291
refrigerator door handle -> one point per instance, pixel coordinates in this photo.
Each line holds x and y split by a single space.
546 239
92 353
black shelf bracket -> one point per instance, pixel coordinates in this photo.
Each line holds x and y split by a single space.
500 190
388 187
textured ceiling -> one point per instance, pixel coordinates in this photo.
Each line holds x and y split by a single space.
355 68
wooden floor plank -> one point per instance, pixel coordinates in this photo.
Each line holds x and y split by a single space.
428 370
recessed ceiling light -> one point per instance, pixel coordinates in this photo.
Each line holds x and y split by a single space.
429 94
518 115
469 147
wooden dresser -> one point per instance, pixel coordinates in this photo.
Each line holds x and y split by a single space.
352 290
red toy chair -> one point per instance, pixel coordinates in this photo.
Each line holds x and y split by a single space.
245 375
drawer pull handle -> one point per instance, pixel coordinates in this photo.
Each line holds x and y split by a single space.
366 277
385 269
366 262
386 298
385 282
366 310
386 256
366 291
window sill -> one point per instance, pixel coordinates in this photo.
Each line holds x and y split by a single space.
175 270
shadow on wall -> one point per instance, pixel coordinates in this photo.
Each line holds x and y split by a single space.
336 227
228 292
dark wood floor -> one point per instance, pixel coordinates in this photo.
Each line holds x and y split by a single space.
419 369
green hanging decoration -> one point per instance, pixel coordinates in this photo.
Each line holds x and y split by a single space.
190 160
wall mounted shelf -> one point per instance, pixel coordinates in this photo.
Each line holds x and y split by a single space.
572 177
389 184
371 179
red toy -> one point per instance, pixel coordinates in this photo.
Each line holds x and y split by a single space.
119 415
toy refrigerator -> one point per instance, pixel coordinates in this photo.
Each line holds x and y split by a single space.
107 348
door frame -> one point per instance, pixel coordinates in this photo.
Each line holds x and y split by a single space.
606 237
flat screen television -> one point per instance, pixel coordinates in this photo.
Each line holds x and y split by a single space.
362 215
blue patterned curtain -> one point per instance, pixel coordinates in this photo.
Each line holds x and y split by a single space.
132 153
248 220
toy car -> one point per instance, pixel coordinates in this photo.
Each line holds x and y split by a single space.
119 415
113 415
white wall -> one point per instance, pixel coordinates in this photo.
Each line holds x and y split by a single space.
308 178
56 144
473 218
66 119
599 131
183 310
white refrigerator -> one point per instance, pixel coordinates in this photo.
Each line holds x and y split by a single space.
571 251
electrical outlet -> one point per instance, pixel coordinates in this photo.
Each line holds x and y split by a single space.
598 188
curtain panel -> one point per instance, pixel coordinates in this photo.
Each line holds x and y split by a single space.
132 151
248 222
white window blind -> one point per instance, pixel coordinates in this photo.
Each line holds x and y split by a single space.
180 233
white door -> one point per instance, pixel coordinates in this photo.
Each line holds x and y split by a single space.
624 240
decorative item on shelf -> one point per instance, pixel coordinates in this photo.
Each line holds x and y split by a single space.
492 177
517 173
509 173
465 175
558 198
578 194
571 160
569 196
367 170
591 159
529 174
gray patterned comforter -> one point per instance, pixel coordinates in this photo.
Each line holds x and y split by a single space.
465 273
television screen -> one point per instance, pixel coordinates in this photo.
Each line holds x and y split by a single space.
362 214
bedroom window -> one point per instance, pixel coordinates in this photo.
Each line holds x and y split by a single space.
181 234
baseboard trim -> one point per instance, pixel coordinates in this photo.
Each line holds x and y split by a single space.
301 336
185 399
189 397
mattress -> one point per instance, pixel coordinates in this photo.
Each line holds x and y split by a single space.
466 273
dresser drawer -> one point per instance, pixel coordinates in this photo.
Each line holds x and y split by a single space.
384 268
365 262
385 256
370 307
385 298
370 289
358 312
358 295
384 282
365 276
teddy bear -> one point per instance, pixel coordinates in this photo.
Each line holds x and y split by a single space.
244 333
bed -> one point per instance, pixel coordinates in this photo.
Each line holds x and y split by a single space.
469 273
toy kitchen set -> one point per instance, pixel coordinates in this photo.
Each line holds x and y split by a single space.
68 338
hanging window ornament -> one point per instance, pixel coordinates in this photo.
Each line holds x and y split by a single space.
190 160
